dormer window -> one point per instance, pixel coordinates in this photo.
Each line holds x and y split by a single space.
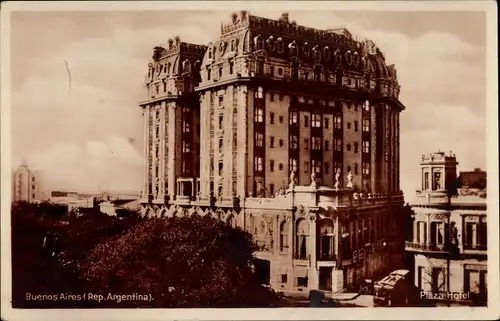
258 42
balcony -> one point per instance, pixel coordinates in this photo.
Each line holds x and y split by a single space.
422 247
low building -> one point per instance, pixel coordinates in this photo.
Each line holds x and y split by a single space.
449 238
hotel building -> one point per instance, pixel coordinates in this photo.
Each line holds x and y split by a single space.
293 136
449 239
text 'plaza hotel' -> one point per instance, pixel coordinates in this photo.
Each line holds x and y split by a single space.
288 132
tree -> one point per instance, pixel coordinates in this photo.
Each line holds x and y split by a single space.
182 262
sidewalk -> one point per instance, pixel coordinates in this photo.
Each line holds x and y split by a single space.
338 296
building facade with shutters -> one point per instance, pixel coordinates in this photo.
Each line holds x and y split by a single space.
449 239
297 142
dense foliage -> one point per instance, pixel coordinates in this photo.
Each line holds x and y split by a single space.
177 262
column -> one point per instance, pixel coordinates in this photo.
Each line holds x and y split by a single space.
146 133
313 270
171 149
162 174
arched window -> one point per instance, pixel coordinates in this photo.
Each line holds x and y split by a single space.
326 245
258 42
302 236
284 237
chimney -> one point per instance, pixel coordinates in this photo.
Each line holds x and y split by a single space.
177 40
170 43
234 17
284 17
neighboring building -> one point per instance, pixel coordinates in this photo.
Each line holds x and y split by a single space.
475 180
171 122
73 200
26 185
449 239
279 100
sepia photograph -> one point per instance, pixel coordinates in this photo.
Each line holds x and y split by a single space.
249 160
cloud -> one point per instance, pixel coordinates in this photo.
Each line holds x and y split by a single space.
92 135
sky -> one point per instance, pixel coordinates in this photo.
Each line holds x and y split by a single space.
89 137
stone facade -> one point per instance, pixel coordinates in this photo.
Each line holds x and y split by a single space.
298 133
449 234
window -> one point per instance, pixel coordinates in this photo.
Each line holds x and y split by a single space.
470 234
271 70
280 166
284 278
348 168
186 146
209 73
426 181
281 119
271 166
221 121
294 142
186 168
348 125
164 86
437 282
366 125
280 71
356 147
356 125
302 234
316 166
326 240
294 118
366 146
436 182
420 276
231 67
356 107
306 143
281 97
338 145
259 115
437 233
348 147
157 131
292 165
283 242
220 72
271 118
260 67
221 101
366 168
259 164
316 121
355 169
302 282
186 126
157 89
271 142
474 281
327 145
259 139
316 143
221 143
281 142
366 105
326 123
338 122
260 92
306 121
327 168
271 189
